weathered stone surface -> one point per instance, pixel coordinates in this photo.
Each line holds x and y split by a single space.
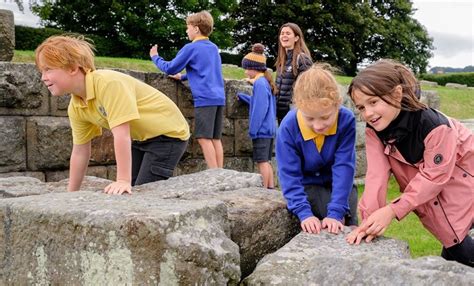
164 84
7 35
49 143
186 230
235 108
243 143
185 99
96 171
456 85
255 213
37 175
21 90
59 105
430 98
428 83
102 149
21 186
12 143
327 259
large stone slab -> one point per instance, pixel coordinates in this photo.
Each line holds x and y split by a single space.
327 259
12 143
206 228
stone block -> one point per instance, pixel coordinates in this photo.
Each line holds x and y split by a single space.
7 35
12 143
95 171
243 143
193 229
102 149
185 100
164 84
309 257
235 108
49 143
21 90
37 175
430 98
59 105
241 164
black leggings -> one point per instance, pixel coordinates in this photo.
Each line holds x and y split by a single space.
462 252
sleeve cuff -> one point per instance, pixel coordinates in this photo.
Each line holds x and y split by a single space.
401 208
304 214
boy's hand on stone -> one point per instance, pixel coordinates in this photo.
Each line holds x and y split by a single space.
175 76
333 225
154 50
119 187
311 225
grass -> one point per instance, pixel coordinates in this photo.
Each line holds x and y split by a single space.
456 103
410 229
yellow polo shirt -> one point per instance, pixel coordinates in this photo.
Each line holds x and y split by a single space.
114 98
308 133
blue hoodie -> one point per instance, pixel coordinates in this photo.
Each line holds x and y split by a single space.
203 69
262 109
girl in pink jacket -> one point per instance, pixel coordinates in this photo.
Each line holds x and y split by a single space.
430 155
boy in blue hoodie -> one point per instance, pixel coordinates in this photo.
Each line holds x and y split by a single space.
204 71
262 111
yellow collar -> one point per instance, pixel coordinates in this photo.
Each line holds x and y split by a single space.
309 134
259 75
198 38
90 94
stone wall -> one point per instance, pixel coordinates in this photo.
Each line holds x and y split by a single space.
35 137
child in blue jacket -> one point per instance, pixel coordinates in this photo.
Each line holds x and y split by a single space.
262 111
204 70
315 152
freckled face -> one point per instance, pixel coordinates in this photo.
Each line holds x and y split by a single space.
58 81
320 120
288 38
375 111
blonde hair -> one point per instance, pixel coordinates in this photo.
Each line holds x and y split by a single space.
203 20
65 51
316 88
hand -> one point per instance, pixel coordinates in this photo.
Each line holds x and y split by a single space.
311 225
333 225
175 76
154 51
378 221
118 188
356 236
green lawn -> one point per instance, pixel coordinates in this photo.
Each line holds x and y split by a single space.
410 229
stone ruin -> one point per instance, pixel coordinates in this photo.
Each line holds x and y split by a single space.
216 227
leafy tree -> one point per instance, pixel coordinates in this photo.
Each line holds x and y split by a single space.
344 33
134 26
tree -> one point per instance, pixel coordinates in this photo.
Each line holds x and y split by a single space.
134 26
344 33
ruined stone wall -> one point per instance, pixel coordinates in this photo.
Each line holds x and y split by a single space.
35 136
